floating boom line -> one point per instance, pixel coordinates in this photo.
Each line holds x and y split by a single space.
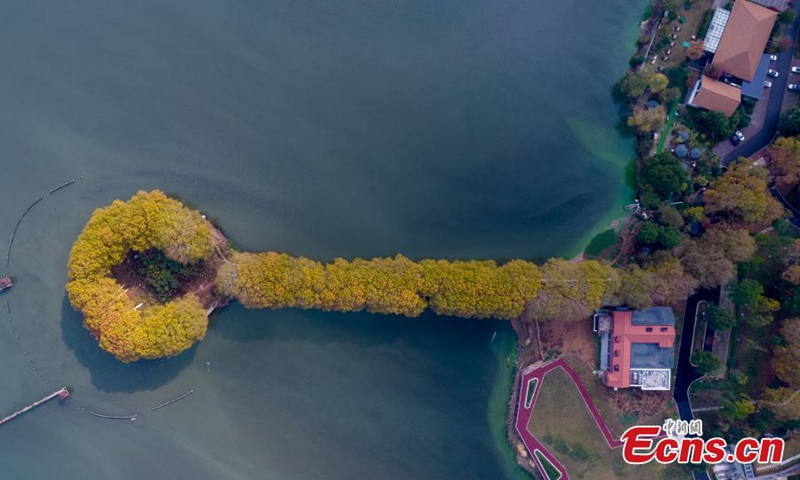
16 227
166 404
115 417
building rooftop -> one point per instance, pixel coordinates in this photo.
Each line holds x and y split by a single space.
656 379
638 341
716 96
756 88
650 355
681 151
744 39
715 29
654 316
780 5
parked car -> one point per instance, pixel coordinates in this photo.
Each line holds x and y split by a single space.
772 73
792 86
772 58
795 69
767 84
737 137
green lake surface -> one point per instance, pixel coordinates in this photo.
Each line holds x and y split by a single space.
470 129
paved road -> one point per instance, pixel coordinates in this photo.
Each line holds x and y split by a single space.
764 137
795 220
685 373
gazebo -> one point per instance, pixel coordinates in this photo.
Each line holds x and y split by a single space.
681 151
683 136
696 153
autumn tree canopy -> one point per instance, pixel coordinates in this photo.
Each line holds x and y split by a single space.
395 285
784 160
743 196
786 357
696 49
147 221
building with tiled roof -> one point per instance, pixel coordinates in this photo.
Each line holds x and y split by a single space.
744 39
637 348
716 96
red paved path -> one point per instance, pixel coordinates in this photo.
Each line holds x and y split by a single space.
524 414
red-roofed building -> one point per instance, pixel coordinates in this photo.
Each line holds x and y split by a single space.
637 348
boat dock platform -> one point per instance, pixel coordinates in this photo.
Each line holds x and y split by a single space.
62 394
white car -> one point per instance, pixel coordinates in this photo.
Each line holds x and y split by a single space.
795 69
772 73
767 84
772 58
793 87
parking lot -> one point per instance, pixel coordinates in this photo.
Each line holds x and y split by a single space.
792 98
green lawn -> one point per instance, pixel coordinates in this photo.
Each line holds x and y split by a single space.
552 471
562 422
602 242
667 128
531 389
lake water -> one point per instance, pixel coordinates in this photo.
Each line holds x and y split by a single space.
330 128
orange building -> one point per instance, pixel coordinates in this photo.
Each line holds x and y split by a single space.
637 348
737 39
744 39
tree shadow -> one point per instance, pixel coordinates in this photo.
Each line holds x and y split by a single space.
357 329
109 374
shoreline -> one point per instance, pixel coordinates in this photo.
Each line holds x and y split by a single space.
513 444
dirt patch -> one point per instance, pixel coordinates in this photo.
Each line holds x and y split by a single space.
201 282
573 339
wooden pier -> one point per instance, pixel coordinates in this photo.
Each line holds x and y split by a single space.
62 394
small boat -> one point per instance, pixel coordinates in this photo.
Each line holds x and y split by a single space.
5 283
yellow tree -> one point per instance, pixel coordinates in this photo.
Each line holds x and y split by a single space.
148 220
784 160
742 195
572 291
786 357
783 402
647 120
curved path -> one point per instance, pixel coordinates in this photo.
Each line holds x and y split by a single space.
685 373
524 414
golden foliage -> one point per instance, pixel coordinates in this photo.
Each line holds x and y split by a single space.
470 289
786 357
784 160
783 402
396 285
167 330
792 274
572 291
147 220
742 193
672 282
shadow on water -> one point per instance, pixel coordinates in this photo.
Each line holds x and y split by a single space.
109 374
623 111
357 329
